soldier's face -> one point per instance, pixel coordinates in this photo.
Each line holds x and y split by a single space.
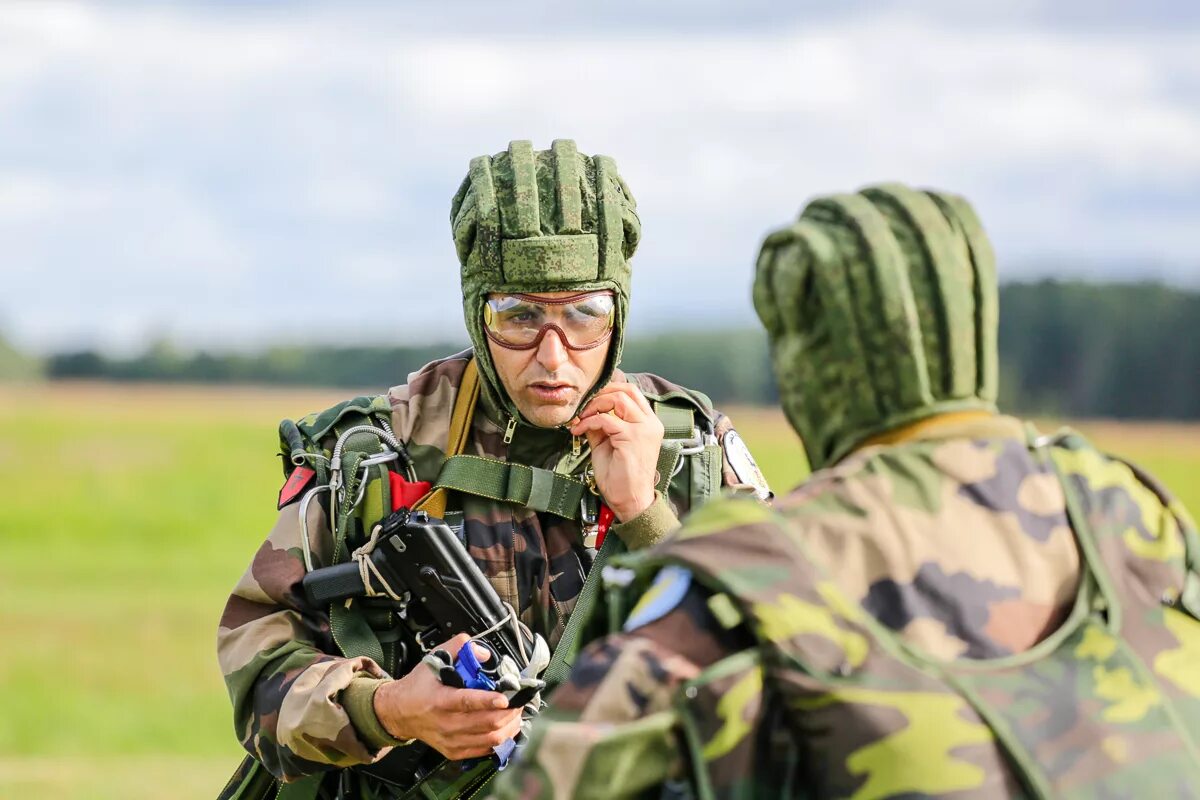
547 382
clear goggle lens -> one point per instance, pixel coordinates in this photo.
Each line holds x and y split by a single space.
519 321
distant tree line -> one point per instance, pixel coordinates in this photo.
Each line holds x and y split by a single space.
1067 348
1090 350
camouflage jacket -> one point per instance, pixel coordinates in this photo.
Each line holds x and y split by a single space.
937 618
299 706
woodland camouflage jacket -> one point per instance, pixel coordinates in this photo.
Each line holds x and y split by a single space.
299 706
936 618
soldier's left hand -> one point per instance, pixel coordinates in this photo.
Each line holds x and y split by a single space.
625 435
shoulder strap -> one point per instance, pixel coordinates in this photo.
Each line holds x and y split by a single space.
568 644
688 440
460 426
679 431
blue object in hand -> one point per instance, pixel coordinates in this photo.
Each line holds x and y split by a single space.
474 676
471 670
503 752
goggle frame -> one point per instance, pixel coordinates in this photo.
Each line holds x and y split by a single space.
562 335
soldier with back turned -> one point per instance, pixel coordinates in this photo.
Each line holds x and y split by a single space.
953 605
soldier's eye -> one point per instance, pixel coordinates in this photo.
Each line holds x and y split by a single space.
594 307
521 315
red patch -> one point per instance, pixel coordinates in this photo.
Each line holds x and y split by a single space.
603 523
300 477
405 492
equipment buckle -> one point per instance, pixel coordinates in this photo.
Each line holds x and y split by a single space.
589 521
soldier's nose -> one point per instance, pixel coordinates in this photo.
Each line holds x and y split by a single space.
552 352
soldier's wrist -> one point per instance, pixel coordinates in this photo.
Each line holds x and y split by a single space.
360 701
650 526
635 507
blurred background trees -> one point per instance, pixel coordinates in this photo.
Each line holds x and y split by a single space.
1068 349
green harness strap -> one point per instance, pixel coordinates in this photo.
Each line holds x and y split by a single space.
553 492
568 644
532 487
678 429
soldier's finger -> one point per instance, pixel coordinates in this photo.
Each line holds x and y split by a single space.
622 400
605 423
632 391
472 748
483 722
622 404
597 405
511 730
470 700
454 643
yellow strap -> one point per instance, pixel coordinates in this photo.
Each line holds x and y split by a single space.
922 428
434 502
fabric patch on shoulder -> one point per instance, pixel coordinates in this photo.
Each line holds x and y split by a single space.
743 464
300 477
664 594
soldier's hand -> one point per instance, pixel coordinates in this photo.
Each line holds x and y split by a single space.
458 723
625 435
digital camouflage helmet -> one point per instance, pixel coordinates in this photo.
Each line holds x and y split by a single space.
529 221
881 309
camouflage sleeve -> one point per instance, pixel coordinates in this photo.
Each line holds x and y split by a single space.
274 651
611 730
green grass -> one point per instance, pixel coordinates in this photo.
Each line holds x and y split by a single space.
126 516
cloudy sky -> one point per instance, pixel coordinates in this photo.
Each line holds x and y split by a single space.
230 176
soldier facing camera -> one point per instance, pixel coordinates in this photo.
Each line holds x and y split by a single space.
532 448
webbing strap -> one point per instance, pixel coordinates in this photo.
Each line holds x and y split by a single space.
678 427
456 442
668 457
678 421
353 635
532 487
568 644
303 789
251 781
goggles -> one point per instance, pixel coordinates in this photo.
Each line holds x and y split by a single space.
520 321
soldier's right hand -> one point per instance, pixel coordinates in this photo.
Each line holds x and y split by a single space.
458 723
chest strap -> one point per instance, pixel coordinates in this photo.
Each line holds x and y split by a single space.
550 491
532 487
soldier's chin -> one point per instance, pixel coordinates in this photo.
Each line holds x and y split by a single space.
548 415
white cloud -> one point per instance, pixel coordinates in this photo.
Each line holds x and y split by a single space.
212 171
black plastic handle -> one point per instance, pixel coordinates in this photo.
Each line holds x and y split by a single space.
330 584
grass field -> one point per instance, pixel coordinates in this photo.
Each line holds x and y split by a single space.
126 515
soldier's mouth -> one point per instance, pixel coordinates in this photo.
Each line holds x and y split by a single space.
551 392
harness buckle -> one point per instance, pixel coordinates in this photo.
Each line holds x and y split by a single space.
589 523
693 445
